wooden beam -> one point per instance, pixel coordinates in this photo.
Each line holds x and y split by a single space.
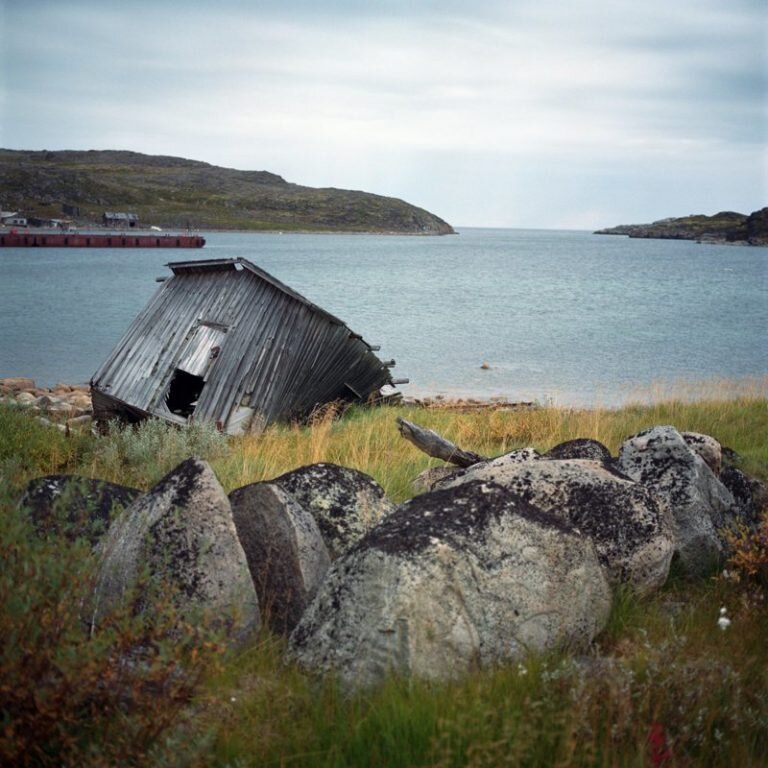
435 445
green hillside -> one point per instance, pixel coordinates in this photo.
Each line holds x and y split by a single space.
173 192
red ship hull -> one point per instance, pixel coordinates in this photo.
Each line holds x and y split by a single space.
100 240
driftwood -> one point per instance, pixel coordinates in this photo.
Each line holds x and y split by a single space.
436 446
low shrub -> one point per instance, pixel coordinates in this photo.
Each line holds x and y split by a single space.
71 694
749 553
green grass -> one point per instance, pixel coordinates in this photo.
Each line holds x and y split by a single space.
663 661
661 665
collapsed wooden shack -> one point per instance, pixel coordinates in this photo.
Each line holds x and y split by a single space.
224 342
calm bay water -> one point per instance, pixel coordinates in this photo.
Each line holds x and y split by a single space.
567 316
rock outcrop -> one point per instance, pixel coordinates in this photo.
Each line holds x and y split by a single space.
285 551
698 502
345 503
179 539
724 227
467 576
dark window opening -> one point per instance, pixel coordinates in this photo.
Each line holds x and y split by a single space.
183 393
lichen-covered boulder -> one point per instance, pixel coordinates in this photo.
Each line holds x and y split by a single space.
632 533
453 579
74 507
581 448
660 459
285 551
707 447
181 538
344 502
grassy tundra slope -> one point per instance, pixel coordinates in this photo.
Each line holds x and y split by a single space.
173 192
663 685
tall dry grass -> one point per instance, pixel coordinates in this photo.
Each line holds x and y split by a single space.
368 440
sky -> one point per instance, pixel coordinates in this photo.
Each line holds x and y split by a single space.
524 113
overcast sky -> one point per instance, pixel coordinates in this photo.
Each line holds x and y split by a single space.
525 113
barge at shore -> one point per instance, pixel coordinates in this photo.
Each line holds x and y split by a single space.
98 240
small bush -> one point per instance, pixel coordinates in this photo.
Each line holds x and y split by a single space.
749 553
141 454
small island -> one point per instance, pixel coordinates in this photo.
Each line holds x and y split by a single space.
726 227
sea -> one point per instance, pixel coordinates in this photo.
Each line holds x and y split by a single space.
562 317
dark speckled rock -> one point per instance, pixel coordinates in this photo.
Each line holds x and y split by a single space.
581 448
750 497
453 579
699 503
285 551
344 502
74 507
182 535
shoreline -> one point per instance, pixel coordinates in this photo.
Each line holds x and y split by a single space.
96 229
68 406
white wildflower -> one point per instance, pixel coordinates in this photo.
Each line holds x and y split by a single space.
521 670
723 622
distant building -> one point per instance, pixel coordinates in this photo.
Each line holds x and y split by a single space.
71 210
12 219
120 219
39 221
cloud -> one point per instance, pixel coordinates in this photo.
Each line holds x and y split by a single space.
339 93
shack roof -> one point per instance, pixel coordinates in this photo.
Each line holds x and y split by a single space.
223 265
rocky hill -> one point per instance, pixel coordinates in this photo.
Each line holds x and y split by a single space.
173 192
723 227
